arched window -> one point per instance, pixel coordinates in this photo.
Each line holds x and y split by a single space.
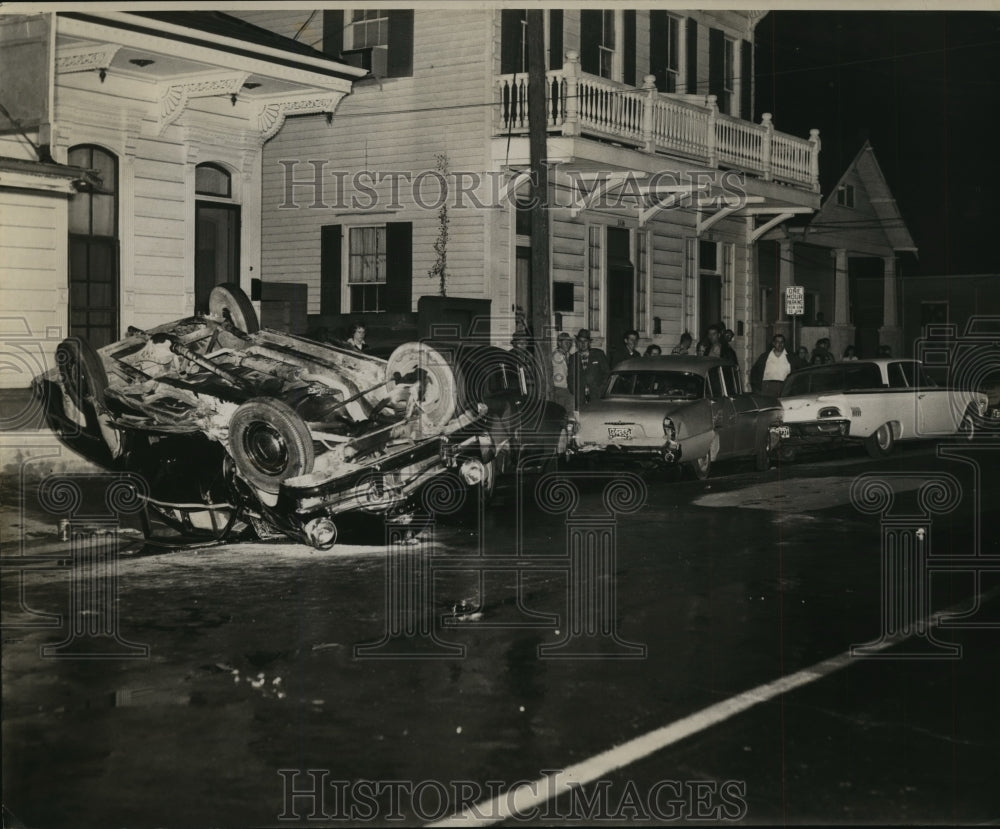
217 232
93 250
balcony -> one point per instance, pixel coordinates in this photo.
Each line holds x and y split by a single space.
687 126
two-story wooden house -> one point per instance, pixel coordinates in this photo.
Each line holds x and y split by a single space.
170 110
662 176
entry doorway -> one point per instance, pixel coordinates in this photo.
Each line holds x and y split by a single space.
217 249
620 285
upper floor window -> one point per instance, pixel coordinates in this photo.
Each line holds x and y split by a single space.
723 71
603 40
380 40
729 73
369 27
665 45
514 40
606 45
845 195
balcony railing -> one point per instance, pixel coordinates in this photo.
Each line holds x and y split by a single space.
577 103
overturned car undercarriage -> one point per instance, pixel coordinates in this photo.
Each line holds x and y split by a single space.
229 423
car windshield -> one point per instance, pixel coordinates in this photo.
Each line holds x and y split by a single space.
682 385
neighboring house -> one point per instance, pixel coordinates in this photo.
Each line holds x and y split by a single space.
171 111
847 259
632 97
939 308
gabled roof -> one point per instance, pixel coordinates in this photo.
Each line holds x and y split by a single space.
865 170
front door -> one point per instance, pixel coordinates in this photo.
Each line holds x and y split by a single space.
620 288
522 287
217 249
709 302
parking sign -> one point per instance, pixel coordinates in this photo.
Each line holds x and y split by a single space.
795 300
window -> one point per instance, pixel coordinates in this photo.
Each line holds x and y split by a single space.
734 383
216 233
368 27
845 195
366 273
673 57
93 250
677 385
715 382
514 40
728 75
379 40
606 46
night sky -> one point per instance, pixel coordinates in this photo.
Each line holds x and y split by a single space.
924 88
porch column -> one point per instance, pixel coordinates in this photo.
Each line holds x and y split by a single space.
841 329
890 333
786 277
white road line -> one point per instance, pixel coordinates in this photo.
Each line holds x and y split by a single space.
529 796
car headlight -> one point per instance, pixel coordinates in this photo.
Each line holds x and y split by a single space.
669 430
829 411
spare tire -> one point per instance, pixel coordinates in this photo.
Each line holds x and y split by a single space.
228 303
269 443
82 373
433 378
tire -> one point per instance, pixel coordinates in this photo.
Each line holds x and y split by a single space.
489 483
700 467
432 377
82 372
787 454
880 442
228 303
269 443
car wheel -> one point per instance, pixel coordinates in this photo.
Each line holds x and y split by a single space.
433 378
701 467
269 442
82 372
228 303
880 442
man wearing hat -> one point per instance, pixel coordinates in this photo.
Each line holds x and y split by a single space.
588 370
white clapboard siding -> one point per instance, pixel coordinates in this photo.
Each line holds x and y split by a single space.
33 233
398 127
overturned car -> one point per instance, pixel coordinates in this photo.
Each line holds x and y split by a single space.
227 422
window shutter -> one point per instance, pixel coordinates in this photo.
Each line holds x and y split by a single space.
658 34
746 80
628 49
510 41
399 267
333 33
590 41
330 275
556 56
692 57
716 61
400 59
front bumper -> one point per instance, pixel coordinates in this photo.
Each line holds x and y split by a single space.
810 432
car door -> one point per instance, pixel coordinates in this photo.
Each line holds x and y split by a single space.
938 408
745 412
723 411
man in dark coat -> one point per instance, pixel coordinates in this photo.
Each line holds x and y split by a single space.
628 349
588 370
717 345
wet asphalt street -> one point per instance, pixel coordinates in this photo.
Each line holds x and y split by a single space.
246 701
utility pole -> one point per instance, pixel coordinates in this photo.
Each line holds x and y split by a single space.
540 279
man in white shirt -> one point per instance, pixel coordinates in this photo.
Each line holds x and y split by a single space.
771 368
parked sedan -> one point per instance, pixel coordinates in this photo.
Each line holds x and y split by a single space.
671 410
242 423
874 402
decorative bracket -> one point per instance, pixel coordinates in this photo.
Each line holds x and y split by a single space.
728 208
675 194
784 213
271 116
175 99
86 58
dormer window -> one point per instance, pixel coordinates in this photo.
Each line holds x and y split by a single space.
845 195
